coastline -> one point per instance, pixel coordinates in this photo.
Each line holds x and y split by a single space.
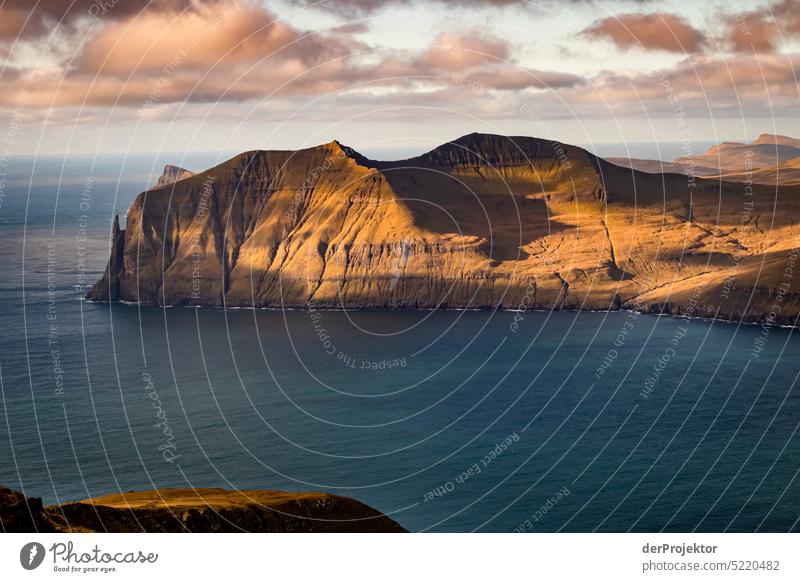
728 321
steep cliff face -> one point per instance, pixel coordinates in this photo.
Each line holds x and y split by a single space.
194 510
482 221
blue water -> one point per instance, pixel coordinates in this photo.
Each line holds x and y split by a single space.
447 421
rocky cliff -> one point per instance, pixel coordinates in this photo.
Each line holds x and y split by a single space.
194 510
483 221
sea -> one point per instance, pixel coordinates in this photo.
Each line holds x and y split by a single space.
447 421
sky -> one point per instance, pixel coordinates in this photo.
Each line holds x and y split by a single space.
129 76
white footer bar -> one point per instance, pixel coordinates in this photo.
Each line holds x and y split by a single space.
402 557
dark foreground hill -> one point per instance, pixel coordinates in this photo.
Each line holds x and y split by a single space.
194 510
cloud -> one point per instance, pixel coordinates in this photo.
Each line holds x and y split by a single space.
351 28
225 50
455 52
656 31
12 22
764 30
700 87
27 18
233 51
706 88
366 6
517 78
208 36
174 58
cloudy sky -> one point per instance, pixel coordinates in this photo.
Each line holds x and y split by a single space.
107 76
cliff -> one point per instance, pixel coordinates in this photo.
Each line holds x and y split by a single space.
483 221
194 510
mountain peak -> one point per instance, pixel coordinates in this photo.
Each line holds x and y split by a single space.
340 150
477 149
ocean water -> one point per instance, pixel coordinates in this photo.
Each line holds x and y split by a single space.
447 421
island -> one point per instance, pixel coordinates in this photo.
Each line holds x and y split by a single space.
482 222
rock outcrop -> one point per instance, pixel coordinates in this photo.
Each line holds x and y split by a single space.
194 510
172 174
484 221
23 514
